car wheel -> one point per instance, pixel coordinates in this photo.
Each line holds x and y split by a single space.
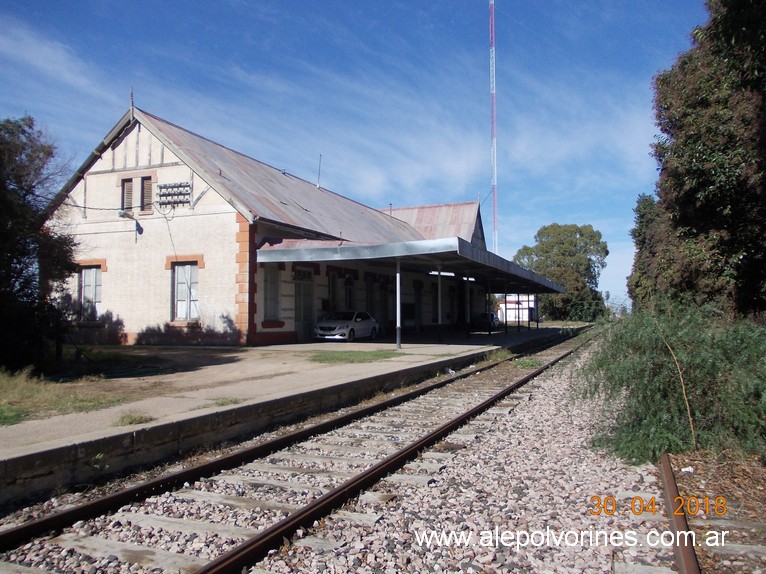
351 336
374 333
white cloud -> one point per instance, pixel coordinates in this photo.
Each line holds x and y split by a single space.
23 48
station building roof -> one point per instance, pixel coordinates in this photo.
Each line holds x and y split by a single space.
311 223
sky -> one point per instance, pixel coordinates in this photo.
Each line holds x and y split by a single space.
393 96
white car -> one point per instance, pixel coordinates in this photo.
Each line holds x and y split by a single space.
346 326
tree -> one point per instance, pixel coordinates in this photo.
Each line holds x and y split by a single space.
657 253
28 176
705 232
572 256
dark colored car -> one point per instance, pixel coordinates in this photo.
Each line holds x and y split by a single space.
485 322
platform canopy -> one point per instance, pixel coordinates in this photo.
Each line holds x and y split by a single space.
449 256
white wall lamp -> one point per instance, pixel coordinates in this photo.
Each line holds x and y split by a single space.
128 215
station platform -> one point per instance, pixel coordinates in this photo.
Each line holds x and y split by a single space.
216 394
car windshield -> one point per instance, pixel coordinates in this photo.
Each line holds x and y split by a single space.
341 316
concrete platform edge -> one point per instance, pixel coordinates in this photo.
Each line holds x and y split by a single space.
43 472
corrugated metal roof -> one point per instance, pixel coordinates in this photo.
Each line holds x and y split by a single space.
444 220
445 254
270 194
330 226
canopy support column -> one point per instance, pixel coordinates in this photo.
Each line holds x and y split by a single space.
398 304
505 306
488 307
467 285
439 301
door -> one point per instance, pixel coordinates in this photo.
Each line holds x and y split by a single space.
304 309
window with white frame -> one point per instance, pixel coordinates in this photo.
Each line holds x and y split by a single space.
90 293
271 293
185 292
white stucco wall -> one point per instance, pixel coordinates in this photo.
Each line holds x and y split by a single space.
136 286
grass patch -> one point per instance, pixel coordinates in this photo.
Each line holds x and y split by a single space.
527 363
342 357
679 378
500 355
25 395
226 401
133 418
10 415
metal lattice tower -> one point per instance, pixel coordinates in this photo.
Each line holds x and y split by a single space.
493 119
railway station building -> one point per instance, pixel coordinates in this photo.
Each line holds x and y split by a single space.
183 240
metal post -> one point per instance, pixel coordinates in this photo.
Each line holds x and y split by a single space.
505 306
487 307
529 315
537 312
398 304
439 301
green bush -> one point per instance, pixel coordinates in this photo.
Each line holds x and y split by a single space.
678 377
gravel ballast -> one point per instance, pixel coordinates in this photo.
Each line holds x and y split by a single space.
516 498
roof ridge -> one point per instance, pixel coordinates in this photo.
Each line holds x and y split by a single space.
431 205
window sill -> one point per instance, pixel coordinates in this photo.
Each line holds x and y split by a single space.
191 324
272 324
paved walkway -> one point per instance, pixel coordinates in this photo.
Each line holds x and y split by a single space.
241 375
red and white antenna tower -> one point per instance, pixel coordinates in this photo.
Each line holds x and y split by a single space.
493 116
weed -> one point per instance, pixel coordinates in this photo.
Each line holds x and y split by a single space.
97 462
133 418
676 378
528 363
226 401
500 355
340 357
11 415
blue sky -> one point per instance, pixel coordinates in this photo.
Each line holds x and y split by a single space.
394 95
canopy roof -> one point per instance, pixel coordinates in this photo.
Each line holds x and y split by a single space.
449 255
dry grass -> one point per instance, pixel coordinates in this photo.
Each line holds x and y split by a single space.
133 418
342 357
25 395
741 480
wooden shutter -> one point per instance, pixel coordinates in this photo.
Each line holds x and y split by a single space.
127 194
146 193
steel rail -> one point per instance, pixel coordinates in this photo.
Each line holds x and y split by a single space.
259 545
17 535
686 557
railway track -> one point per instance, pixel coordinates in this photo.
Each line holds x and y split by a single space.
227 515
224 515
724 526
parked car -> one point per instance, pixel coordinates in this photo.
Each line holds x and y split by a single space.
346 326
485 321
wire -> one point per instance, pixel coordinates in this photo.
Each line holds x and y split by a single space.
117 209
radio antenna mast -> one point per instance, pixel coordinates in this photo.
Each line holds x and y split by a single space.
493 119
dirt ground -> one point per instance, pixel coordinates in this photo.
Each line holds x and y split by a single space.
143 372
741 480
